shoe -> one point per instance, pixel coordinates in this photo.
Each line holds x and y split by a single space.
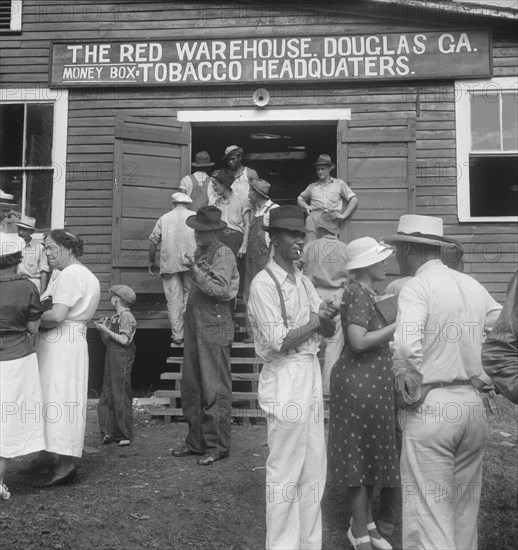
107 439
54 480
124 442
210 459
36 467
378 542
184 451
4 492
355 542
385 528
177 341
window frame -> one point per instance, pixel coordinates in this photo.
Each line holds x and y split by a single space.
463 91
15 17
59 99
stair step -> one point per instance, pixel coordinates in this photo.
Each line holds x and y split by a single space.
236 377
238 345
236 412
233 361
236 395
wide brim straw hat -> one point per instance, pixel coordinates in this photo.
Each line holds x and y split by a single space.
27 222
364 252
415 228
10 244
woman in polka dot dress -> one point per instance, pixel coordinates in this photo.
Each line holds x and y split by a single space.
362 443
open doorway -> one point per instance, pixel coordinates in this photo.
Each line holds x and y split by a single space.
281 154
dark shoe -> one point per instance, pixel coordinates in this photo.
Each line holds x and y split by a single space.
36 467
107 439
385 528
54 480
184 451
210 459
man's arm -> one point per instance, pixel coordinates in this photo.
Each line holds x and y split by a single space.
215 280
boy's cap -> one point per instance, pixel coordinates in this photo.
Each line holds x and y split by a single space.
124 292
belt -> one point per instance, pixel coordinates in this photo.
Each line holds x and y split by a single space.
227 231
448 384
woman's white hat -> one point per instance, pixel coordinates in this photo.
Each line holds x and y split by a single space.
364 252
10 244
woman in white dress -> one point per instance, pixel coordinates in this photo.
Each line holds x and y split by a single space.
63 357
21 432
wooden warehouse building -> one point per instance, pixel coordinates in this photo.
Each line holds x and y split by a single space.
104 104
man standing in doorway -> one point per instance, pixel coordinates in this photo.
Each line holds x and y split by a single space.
209 333
197 185
176 240
242 174
437 363
286 314
324 263
326 195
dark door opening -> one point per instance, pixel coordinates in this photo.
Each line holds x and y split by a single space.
281 154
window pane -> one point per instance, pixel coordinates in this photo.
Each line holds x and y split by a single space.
39 135
485 122
493 187
12 182
39 197
510 121
11 135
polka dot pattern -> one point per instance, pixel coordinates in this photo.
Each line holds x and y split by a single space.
362 442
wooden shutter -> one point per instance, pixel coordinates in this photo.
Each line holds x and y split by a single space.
151 157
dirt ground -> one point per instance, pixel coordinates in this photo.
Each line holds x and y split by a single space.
138 497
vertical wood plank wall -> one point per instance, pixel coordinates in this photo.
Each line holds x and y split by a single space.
491 247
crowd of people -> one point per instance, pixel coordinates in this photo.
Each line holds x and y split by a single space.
391 369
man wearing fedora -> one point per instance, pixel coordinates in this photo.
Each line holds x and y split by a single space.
233 161
176 240
197 184
209 333
437 364
258 250
324 262
8 214
287 317
326 195
34 260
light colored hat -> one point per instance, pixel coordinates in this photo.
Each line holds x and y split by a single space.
124 292
202 159
233 150
6 199
364 252
261 186
327 222
10 244
27 222
323 160
413 228
181 197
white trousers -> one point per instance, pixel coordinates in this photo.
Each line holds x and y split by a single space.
176 290
441 470
335 343
290 392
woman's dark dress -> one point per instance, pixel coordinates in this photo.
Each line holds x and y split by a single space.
362 441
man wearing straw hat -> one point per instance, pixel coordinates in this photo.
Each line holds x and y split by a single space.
176 240
34 260
8 216
437 363
326 195
286 314
197 184
324 262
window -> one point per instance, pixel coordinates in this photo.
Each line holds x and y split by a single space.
487 150
10 15
32 152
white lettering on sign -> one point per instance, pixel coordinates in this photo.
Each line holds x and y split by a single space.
434 54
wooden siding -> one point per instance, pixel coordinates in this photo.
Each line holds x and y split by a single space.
491 247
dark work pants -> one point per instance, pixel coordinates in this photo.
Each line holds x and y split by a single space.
206 377
115 404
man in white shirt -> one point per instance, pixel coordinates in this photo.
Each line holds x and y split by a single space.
176 240
441 320
286 314
34 260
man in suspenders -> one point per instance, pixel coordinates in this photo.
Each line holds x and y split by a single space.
197 185
258 251
286 314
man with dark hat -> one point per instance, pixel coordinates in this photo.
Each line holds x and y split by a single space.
233 160
324 262
197 185
209 332
34 260
436 350
258 250
287 317
326 195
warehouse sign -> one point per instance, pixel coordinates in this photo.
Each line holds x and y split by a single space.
393 56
